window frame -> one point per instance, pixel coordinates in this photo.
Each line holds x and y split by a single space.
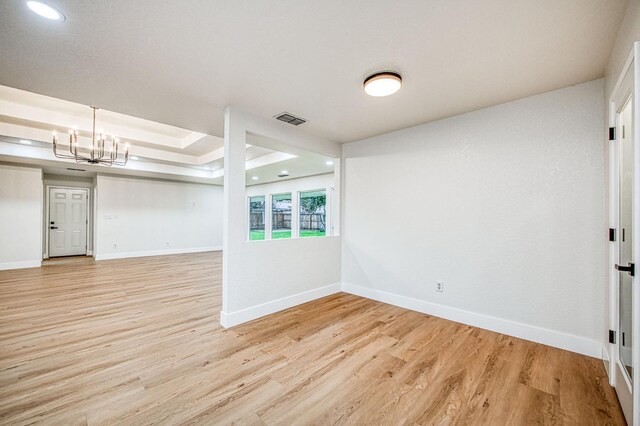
291 219
327 215
248 212
296 196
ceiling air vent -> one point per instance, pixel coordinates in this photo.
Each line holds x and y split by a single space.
290 118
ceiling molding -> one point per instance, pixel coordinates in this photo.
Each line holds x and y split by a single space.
191 138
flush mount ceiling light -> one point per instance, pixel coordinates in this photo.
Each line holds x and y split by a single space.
46 11
329 163
382 84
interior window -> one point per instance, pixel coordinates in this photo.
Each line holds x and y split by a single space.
281 216
313 213
256 218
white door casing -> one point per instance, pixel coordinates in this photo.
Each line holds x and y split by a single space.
67 221
624 206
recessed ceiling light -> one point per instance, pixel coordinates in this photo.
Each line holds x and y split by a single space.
46 11
329 163
382 84
255 178
25 142
133 157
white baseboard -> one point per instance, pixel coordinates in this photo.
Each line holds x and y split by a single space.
108 256
533 333
605 360
235 318
20 265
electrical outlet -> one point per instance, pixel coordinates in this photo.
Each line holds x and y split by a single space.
439 286
167 243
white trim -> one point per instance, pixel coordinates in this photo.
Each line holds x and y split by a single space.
624 394
613 246
635 321
616 88
605 358
624 88
108 256
235 318
42 218
20 265
557 339
47 217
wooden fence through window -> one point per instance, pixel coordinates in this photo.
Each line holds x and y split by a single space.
312 222
308 222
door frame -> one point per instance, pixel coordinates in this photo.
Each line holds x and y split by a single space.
625 87
89 224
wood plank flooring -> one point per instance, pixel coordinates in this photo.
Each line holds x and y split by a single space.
137 341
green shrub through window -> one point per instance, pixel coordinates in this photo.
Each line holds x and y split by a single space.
313 213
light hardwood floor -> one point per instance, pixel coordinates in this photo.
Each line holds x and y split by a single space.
137 341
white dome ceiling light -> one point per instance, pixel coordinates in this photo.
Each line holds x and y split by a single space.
46 11
382 84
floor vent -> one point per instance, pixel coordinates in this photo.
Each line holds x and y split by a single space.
290 118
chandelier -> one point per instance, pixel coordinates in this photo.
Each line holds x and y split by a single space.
98 154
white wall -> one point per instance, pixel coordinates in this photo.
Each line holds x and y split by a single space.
21 207
326 180
505 205
139 217
262 277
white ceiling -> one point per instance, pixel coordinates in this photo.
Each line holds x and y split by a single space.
303 165
182 62
32 116
157 150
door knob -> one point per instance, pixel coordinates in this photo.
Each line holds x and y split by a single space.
55 227
631 269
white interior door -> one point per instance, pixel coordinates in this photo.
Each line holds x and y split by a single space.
625 265
67 222
624 330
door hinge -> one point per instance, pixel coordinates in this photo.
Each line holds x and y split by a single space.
612 234
612 133
612 336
